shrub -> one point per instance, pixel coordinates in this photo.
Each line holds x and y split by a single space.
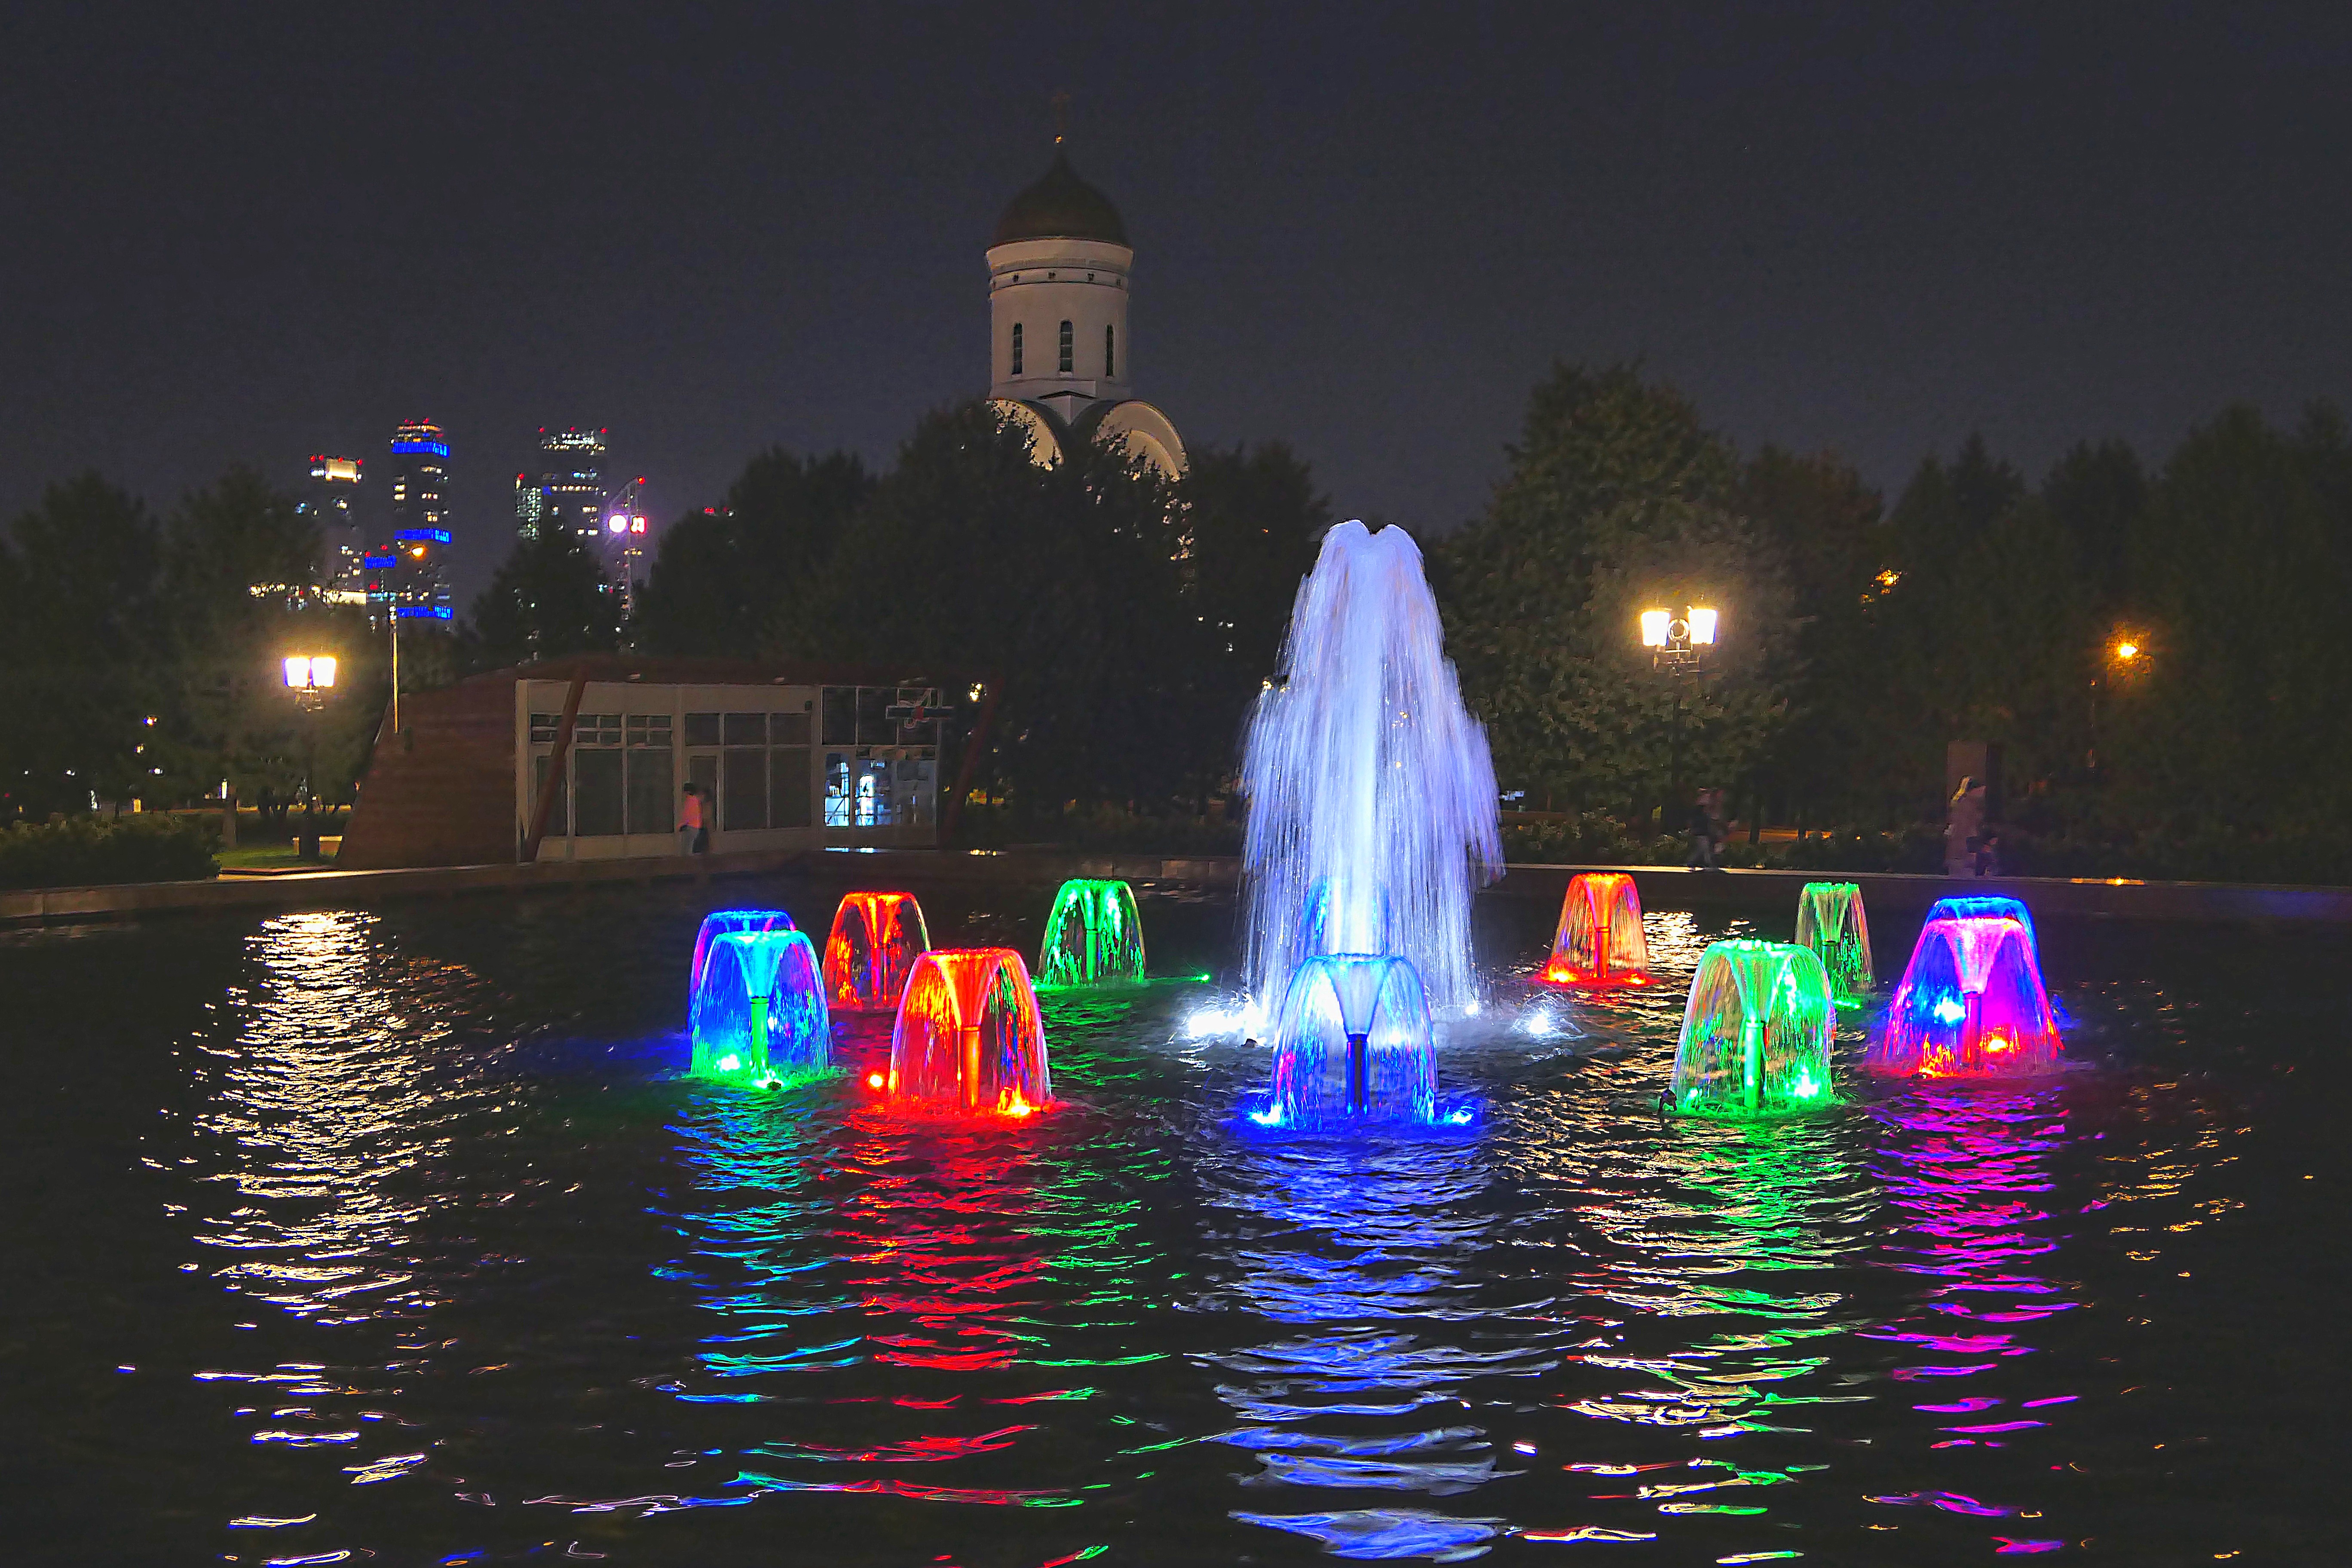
1588 838
90 850
1111 829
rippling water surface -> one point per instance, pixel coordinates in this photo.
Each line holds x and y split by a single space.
397 1235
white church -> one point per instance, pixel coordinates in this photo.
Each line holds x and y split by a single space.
1057 286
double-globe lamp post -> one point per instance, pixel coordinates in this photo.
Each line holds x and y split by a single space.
1677 643
309 677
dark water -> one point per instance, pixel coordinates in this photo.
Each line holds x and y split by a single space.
395 1235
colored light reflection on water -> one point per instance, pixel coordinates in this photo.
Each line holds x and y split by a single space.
416 1241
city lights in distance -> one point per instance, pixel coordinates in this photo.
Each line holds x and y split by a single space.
423 536
309 671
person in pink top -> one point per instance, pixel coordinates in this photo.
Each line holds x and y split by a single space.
693 834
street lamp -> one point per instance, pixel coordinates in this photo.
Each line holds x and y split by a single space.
1677 640
309 677
2126 657
1679 644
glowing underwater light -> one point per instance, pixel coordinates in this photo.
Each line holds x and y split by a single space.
1246 1018
1093 937
1600 941
968 1035
1831 922
1756 1032
1971 1002
758 1014
1353 1046
876 940
717 923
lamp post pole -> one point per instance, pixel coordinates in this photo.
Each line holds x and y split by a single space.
1678 645
309 677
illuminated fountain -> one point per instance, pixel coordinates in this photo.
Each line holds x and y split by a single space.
1756 1032
1972 1002
968 1036
717 923
1094 937
876 940
1989 904
1371 797
1831 922
1352 1047
1599 941
757 1013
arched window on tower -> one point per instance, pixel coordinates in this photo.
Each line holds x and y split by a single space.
1110 354
1068 363
1017 349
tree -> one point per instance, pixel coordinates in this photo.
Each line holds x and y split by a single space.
2098 494
2235 729
82 640
241 563
1831 529
547 599
720 578
1249 522
1980 637
972 558
1617 499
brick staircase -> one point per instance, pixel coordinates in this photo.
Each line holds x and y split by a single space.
442 792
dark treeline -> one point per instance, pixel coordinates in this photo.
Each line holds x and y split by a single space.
1859 640
1131 621
143 653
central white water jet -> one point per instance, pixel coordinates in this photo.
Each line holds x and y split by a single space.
1371 795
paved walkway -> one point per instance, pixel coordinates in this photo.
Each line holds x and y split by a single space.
1662 888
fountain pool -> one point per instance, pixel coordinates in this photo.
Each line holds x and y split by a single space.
408 1233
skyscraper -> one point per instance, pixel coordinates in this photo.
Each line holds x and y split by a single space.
625 541
331 502
569 489
411 574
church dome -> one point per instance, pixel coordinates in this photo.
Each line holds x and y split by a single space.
1060 206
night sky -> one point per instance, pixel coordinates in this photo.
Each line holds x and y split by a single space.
251 233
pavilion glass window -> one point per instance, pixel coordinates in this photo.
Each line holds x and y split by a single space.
652 769
598 790
743 773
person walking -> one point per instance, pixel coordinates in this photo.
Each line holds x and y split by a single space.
693 834
1705 834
